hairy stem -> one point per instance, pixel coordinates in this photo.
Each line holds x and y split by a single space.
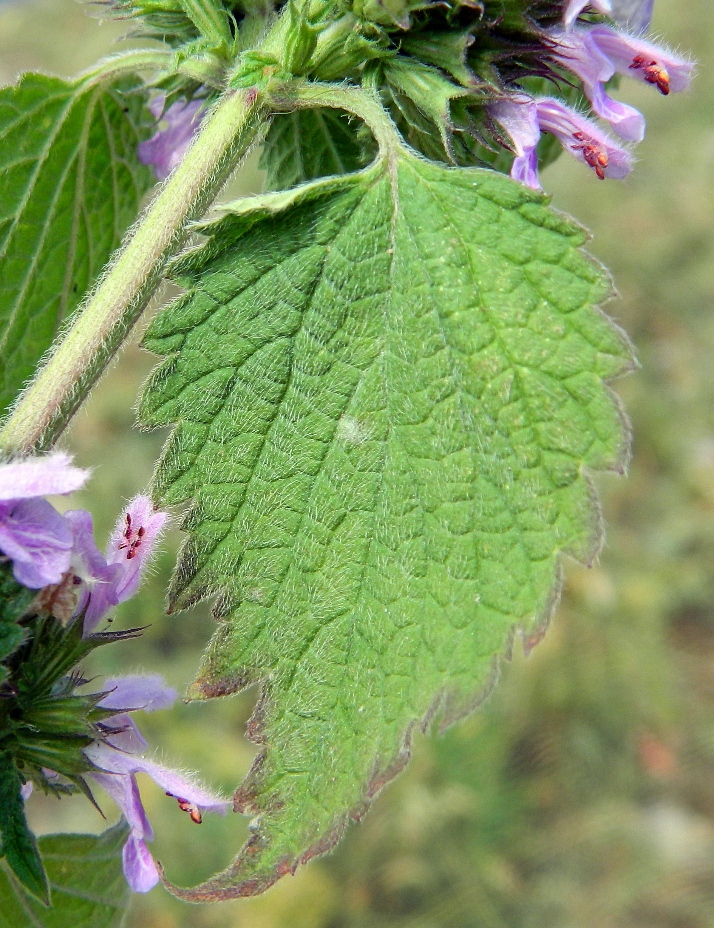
61 385
360 103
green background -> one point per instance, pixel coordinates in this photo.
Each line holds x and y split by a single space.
582 796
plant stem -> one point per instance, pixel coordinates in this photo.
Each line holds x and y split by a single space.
206 70
61 385
360 103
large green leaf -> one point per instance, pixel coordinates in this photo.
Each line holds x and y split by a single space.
387 389
308 144
88 885
70 185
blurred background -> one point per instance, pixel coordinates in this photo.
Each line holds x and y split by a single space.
582 795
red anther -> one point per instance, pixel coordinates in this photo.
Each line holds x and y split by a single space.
189 807
653 73
141 532
131 553
594 156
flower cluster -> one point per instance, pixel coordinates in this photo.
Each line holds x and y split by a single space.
594 53
77 587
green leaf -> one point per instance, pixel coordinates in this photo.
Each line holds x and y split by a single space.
309 144
19 846
14 598
70 185
387 391
88 885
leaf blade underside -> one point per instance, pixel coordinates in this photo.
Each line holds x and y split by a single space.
89 889
308 144
70 186
385 388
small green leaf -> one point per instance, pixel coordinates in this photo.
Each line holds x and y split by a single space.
14 597
19 845
70 185
387 390
309 144
88 885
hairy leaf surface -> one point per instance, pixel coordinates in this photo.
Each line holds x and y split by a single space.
88 886
309 144
70 185
386 388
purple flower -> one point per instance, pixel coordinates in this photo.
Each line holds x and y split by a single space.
166 148
573 9
117 760
524 119
33 534
114 579
519 117
642 60
579 51
633 14
584 139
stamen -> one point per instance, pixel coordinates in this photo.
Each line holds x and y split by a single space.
653 73
593 155
186 806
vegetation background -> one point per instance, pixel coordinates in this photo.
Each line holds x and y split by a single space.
582 795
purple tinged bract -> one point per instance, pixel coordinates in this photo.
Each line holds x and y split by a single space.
33 535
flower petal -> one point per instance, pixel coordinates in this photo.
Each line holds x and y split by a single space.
132 542
643 60
123 789
573 9
633 14
584 139
40 476
578 52
170 781
139 866
519 117
166 148
138 691
37 539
